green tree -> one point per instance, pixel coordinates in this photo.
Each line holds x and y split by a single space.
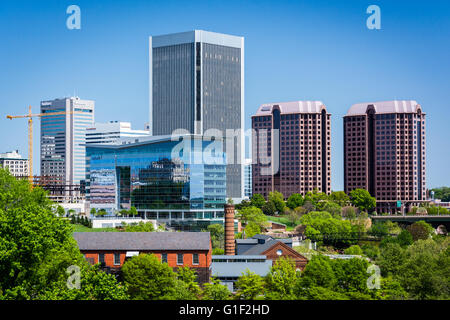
133 212
295 200
249 286
138 227
281 280
354 250
348 212
60 211
215 291
257 200
32 240
252 229
362 199
391 258
217 232
425 271
316 197
94 285
252 214
405 238
391 289
351 275
269 208
188 276
420 230
370 251
379 229
36 249
332 207
317 273
218 251
340 198
442 193
277 199
147 278
93 212
338 231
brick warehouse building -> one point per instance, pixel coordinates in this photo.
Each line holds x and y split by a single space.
177 249
384 152
297 157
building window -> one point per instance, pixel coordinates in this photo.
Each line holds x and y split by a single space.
279 252
195 258
101 258
164 257
179 258
116 259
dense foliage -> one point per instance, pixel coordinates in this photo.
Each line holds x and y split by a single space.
37 248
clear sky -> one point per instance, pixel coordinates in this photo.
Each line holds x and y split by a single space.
294 50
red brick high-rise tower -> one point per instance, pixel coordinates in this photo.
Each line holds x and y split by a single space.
384 152
291 148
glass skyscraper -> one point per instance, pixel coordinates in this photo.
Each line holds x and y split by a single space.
179 182
63 138
197 84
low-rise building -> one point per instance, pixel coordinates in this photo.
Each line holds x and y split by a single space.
227 269
272 248
14 162
112 132
177 249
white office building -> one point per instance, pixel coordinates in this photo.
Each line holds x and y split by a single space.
63 151
13 161
111 132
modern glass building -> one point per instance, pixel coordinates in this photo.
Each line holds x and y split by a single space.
63 138
197 84
248 178
178 180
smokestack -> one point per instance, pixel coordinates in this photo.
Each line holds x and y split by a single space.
229 229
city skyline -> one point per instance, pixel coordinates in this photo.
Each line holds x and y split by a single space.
277 68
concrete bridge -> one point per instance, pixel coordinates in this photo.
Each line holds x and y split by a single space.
434 220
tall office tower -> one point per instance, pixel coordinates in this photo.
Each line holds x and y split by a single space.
63 154
16 165
291 144
384 152
196 84
112 132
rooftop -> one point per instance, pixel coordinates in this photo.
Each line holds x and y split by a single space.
197 36
143 241
292 107
393 106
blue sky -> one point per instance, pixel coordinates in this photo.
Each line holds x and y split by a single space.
294 50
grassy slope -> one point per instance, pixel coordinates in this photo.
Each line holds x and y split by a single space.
81 228
283 220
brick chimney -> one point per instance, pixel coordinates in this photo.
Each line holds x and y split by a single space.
229 230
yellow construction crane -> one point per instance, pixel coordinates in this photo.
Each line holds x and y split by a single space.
30 133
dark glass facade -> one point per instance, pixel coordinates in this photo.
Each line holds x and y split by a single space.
197 84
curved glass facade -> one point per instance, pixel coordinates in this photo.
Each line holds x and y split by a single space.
163 179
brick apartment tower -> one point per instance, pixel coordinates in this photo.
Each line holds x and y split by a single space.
229 230
384 152
297 157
